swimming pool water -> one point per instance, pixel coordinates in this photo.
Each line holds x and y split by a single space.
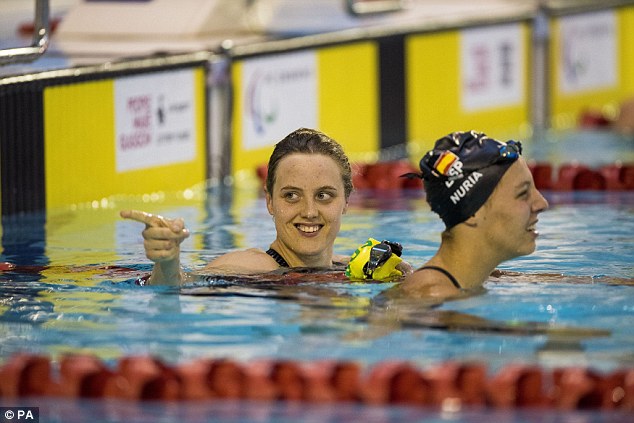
74 290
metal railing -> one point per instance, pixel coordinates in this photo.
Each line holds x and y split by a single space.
41 36
361 8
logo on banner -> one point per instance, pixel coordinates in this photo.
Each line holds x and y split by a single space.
262 106
280 95
492 67
155 120
139 111
588 52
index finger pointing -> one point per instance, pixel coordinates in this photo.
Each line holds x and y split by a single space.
143 217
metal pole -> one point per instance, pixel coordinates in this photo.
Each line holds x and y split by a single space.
41 36
540 69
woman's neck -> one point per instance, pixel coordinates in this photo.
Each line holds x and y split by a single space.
470 265
324 259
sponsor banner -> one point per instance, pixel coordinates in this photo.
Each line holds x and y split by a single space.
492 67
588 52
154 120
280 95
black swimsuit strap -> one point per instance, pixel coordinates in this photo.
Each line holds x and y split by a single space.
444 272
277 257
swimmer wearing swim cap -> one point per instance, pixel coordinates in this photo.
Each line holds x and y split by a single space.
484 192
461 172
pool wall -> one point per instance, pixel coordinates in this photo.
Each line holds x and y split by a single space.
168 122
68 139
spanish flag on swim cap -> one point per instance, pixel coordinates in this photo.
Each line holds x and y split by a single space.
444 162
461 172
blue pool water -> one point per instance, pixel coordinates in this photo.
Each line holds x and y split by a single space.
61 298
74 290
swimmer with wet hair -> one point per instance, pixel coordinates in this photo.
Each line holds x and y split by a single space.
307 189
484 192
308 185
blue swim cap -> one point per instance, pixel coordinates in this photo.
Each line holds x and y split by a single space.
462 171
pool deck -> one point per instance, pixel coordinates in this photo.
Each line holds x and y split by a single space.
89 33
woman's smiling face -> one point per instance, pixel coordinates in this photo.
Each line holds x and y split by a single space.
509 217
307 203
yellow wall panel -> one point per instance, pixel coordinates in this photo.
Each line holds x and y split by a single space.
626 50
434 93
243 161
346 104
567 107
79 143
349 96
432 86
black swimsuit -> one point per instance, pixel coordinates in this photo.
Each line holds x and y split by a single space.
283 263
277 257
444 272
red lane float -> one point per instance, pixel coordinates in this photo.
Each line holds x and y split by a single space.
542 175
565 177
4 266
387 175
450 385
594 119
578 177
381 175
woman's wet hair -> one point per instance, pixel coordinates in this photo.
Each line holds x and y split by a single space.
462 171
309 141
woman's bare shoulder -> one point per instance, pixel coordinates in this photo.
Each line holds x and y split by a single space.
426 284
249 261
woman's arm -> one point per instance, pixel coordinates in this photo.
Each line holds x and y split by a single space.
162 240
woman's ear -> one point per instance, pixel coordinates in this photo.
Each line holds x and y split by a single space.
269 205
345 208
472 222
